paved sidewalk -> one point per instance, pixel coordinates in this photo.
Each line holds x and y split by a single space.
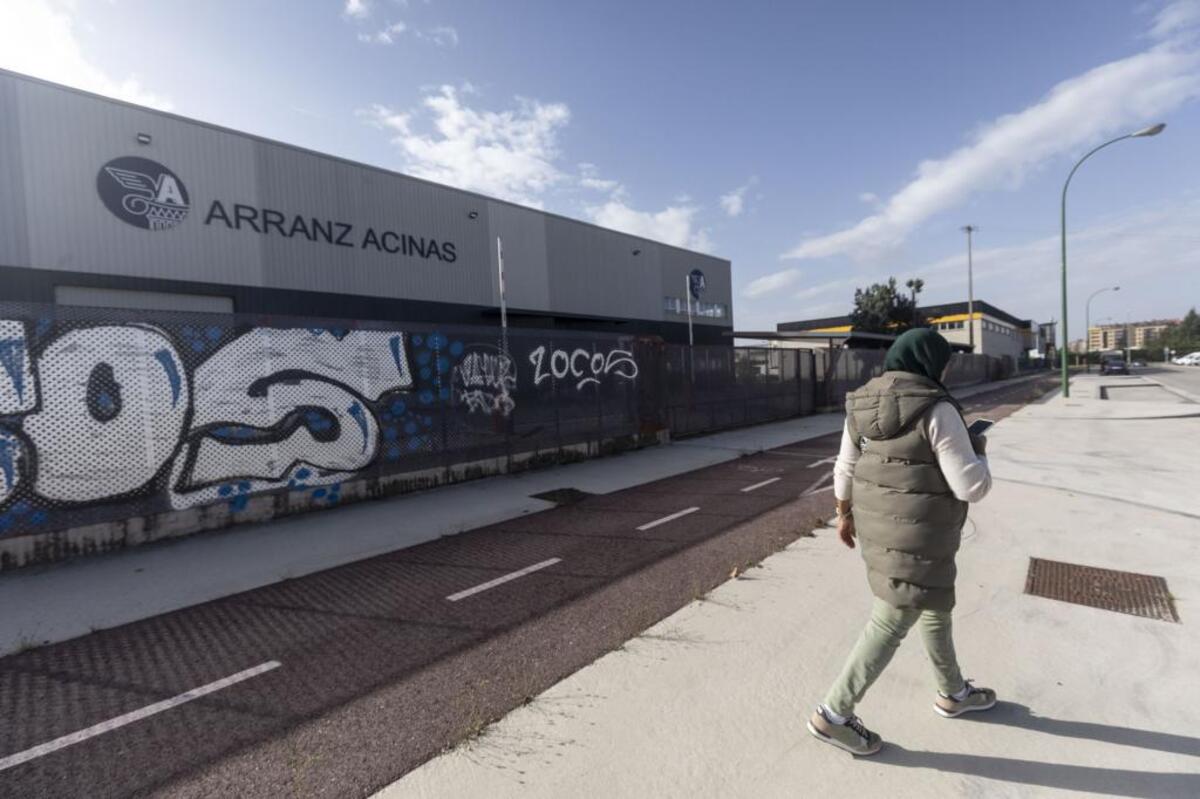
712 700
57 602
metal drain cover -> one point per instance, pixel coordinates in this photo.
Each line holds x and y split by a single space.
1124 592
563 496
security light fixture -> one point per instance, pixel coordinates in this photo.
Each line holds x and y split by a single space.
636 251
144 138
472 215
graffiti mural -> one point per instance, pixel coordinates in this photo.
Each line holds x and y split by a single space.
586 367
104 417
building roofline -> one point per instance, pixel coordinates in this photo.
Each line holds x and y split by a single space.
940 309
340 159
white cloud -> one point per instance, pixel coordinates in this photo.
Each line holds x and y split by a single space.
1113 98
1176 18
386 35
509 154
769 284
514 155
1156 247
37 38
675 224
734 202
359 9
869 197
441 35
589 178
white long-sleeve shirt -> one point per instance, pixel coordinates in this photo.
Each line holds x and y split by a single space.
966 473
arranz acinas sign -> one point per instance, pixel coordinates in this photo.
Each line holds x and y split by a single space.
146 194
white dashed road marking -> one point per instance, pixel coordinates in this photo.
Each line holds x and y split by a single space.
502 580
757 486
136 715
666 519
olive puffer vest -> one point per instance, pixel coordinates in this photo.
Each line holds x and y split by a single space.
908 520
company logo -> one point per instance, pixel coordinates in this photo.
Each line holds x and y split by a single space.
143 193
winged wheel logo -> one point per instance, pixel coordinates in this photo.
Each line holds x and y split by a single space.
143 193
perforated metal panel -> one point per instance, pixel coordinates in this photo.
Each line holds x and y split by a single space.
109 413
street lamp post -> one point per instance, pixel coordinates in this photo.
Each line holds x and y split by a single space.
1087 326
1153 130
969 229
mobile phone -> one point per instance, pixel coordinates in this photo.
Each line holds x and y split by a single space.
980 426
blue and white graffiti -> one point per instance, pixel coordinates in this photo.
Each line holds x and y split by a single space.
104 421
104 412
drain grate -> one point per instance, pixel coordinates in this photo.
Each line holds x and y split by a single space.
563 496
1125 592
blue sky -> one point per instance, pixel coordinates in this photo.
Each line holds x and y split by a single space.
818 145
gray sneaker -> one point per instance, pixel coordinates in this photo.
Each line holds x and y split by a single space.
976 699
851 736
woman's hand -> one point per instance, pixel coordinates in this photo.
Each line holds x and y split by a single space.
845 529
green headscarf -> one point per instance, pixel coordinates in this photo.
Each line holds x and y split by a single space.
921 351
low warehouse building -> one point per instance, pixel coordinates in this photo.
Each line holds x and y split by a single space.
111 204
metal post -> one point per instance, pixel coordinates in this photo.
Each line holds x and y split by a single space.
687 293
503 304
970 288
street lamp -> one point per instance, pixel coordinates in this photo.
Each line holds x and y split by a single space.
969 229
1087 326
1153 130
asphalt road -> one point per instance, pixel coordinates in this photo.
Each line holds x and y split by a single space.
338 683
1183 378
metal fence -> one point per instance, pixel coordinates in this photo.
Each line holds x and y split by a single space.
715 388
110 414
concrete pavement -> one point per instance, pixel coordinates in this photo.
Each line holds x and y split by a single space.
712 700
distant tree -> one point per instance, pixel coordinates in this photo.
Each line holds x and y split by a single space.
914 285
1183 337
883 308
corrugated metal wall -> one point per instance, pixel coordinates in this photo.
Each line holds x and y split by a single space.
54 142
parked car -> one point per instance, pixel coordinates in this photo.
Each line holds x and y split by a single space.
1138 363
1113 366
1191 359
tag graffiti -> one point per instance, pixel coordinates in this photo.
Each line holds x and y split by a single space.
582 366
485 381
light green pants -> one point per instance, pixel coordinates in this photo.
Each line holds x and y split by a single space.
879 641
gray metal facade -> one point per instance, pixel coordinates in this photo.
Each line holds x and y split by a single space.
54 142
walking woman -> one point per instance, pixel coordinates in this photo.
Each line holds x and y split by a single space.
905 473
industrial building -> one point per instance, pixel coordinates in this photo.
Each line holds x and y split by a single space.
104 203
996 332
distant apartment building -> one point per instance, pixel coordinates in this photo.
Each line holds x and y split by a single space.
1135 335
997 332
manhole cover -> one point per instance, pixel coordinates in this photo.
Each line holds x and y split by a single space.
1125 592
563 496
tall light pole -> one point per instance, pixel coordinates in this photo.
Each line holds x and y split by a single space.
1087 325
969 229
1153 130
